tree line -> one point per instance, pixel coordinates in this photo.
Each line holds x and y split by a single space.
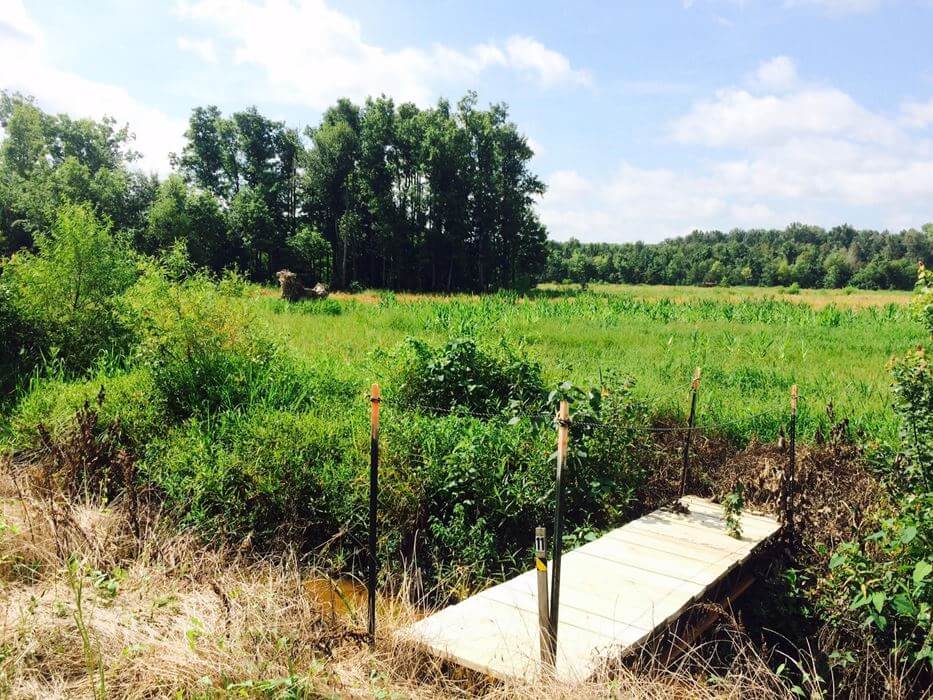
808 256
384 195
378 195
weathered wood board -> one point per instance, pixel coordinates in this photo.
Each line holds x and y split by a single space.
615 592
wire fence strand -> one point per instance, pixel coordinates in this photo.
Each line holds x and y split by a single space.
586 421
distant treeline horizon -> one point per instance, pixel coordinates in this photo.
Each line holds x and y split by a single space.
385 195
809 256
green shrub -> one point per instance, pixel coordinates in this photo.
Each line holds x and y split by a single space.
267 474
129 397
208 353
460 374
610 454
70 291
21 343
883 585
482 486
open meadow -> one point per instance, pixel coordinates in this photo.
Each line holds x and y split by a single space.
752 344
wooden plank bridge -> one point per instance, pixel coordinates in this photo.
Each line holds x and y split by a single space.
616 592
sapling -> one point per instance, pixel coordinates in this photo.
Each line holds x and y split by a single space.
732 505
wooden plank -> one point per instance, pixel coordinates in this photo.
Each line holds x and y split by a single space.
660 567
702 505
615 593
500 639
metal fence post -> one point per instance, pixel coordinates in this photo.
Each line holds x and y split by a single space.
563 436
544 614
694 388
374 398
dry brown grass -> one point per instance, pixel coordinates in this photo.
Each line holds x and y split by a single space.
167 616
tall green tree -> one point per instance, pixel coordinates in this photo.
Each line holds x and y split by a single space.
49 160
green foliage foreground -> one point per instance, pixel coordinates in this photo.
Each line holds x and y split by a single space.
883 585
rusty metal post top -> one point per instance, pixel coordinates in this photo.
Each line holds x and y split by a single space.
793 399
695 384
374 393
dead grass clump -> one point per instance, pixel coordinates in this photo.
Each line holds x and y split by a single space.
835 491
166 616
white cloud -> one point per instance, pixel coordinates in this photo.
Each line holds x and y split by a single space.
809 153
202 48
24 67
837 7
918 115
548 67
633 203
535 146
15 23
778 74
737 117
312 54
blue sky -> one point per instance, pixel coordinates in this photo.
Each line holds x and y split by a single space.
649 119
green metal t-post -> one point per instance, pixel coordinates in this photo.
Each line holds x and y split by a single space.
563 436
694 388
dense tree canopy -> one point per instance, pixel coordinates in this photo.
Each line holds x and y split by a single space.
438 198
48 160
806 255
384 195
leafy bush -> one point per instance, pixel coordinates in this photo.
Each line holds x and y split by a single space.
609 454
460 374
207 353
130 398
481 486
265 474
21 343
884 584
70 291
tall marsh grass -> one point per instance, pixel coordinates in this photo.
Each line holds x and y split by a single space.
751 350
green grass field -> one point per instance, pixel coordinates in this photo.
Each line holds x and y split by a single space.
850 298
752 344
